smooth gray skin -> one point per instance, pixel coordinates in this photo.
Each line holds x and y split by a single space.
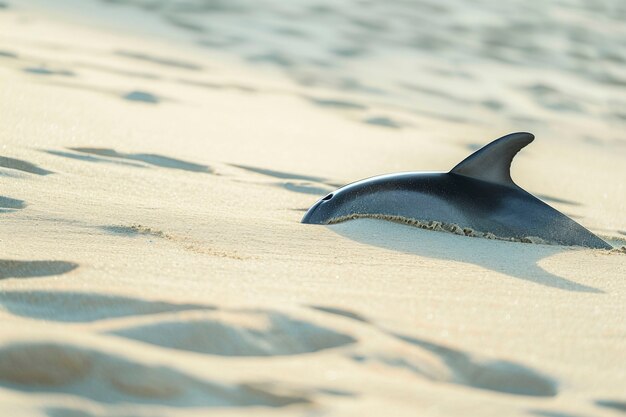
478 194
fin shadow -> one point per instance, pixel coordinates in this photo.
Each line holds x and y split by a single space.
478 251
10 204
20 165
29 269
151 159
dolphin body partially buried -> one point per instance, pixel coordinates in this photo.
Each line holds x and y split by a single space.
476 197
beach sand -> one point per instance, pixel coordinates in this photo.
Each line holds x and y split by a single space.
155 162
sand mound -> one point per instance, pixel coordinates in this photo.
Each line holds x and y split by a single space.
258 333
106 378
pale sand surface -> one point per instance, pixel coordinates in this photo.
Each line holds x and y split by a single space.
152 262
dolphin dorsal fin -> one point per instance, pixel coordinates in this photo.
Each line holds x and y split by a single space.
492 162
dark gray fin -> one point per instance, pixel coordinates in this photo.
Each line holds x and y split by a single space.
492 162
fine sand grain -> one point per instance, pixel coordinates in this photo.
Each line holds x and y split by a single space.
157 157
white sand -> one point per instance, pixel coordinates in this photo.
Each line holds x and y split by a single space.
152 262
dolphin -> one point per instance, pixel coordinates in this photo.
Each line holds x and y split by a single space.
476 198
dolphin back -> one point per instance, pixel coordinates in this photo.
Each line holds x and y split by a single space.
478 194
492 164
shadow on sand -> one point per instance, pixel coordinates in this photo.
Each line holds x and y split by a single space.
465 368
9 204
613 404
28 269
493 375
514 259
148 158
24 166
90 158
280 174
160 60
70 306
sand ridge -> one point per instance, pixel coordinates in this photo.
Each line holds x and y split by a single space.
438 227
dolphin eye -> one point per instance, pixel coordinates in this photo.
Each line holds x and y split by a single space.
328 197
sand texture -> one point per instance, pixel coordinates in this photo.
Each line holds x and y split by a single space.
156 159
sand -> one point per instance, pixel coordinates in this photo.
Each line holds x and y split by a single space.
156 160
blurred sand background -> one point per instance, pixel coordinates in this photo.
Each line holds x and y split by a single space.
156 158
